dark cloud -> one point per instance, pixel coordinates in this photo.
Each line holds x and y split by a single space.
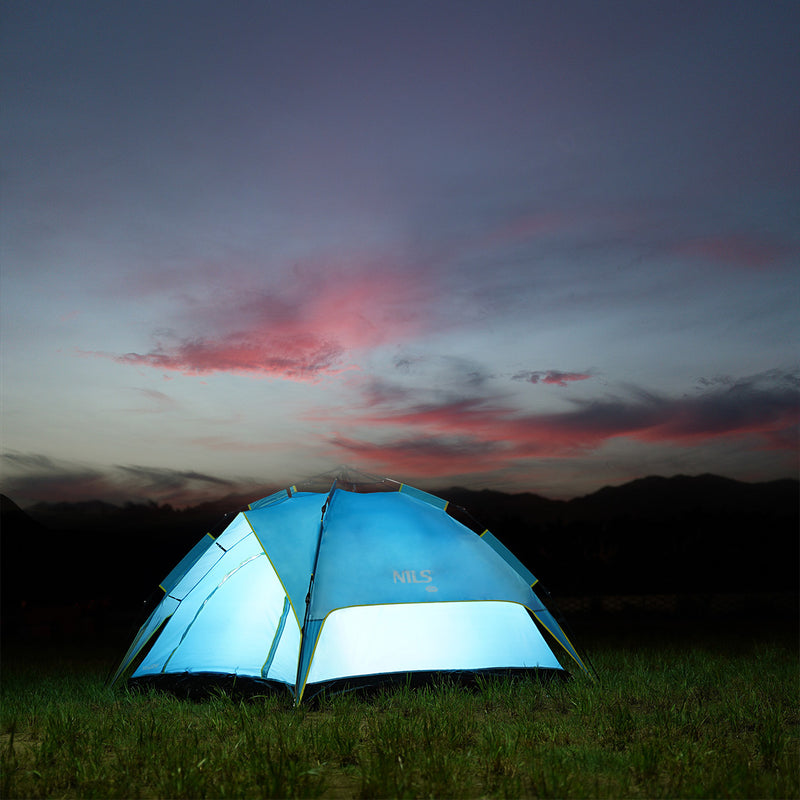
30 478
28 461
163 480
553 377
766 405
377 391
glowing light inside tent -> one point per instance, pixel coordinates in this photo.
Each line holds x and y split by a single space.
363 640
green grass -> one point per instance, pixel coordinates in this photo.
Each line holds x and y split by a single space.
715 719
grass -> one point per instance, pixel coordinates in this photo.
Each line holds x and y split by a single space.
710 718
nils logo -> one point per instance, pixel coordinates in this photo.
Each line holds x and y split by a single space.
412 576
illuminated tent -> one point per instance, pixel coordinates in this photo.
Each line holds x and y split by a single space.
310 591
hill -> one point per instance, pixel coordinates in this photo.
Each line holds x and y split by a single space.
655 534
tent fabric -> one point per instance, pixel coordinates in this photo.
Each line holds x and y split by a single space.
306 589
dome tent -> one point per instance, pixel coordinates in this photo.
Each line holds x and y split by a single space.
309 591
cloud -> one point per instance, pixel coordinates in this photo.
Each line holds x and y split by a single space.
737 250
159 481
301 331
451 370
259 353
424 457
450 432
766 405
30 478
553 377
156 402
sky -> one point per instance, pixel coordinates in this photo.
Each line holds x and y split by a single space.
523 246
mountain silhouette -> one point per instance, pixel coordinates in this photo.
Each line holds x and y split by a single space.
680 534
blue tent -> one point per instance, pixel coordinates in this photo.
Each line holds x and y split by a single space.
308 591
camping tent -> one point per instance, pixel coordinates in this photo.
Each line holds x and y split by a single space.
308 590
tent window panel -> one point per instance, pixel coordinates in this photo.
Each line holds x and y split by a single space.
364 640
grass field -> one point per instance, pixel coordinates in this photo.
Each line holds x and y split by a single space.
703 715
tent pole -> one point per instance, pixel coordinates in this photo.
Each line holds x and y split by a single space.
301 660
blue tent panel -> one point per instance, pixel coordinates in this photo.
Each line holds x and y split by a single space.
288 534
273 499
425 497
509 558
391 548
186 563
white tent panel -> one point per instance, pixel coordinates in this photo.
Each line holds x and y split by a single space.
231 631
364 640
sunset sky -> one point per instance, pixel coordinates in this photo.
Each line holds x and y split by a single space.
527 246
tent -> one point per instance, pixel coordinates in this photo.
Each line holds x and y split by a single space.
309 590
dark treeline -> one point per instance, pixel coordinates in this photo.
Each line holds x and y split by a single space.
655 535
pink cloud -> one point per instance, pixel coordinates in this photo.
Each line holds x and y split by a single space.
422 457
245 352
493 435
300 333
738 250
480 427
